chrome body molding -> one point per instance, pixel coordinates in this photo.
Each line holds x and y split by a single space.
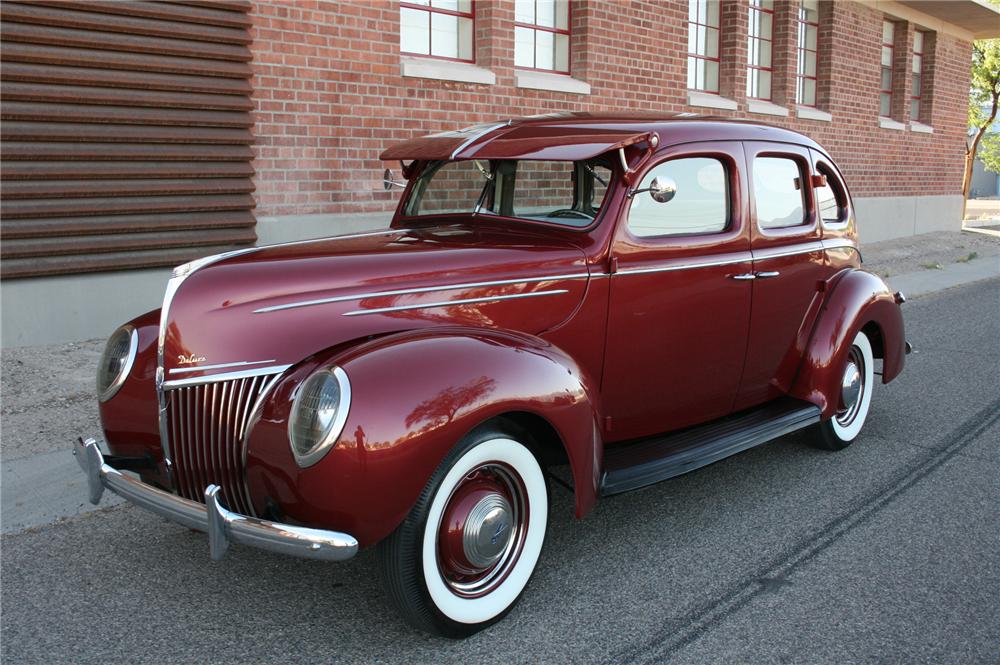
420 289
760 255
239 363
222 525
478 135
744 257
449 303
225 376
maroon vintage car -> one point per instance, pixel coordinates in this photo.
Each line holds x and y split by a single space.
635 297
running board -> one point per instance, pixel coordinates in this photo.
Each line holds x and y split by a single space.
649 461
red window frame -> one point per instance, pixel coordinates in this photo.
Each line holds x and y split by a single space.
556 31
892 58
430 37
717 59
801 49
755 6
919 75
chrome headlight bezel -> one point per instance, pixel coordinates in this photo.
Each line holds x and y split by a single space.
133 346
322 446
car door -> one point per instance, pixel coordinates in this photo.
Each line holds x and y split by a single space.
679 311
788 266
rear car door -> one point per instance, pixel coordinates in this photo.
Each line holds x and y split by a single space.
678 315
788 268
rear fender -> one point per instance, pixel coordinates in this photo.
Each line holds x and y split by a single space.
858 300
414 395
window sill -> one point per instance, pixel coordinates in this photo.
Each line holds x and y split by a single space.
708 100
810 113
766 107
921 127
889 123
549 81
445 70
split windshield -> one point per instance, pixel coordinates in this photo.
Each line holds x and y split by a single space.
559 192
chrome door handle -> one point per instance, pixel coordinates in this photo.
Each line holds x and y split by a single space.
746 275
764 275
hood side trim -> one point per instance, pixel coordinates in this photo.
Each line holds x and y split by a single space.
449 303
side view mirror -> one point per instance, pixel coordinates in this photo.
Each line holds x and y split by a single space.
662 189
388 182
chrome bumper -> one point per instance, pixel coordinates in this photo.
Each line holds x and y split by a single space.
222 526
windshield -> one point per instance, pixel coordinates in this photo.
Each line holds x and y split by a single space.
560 192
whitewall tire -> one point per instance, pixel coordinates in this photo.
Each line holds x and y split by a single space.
854 397
465 553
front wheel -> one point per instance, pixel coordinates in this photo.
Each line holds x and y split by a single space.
854 398
463 556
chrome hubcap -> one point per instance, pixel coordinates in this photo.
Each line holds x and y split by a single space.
487 530
852 386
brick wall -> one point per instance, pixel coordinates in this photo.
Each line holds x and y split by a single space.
329 95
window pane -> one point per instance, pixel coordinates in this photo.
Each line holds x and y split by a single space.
765 24
455 187
918 63
562 53
826 201
811 37
541 188
809 64
692 39
888 31
465 38
444 35
544 50
918 42
885 104
916 86
701 204
887 79
752 79
887 56
777 192
807 89
712 15
915 109
711 76
414 31
524 11
451 5
712 43
692 67
545 13
524 47
764 53
764 91
562 14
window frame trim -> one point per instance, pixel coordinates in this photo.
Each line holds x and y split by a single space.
717 59
568 32
810 222
920 75
752 7
403 4
892 67
802 47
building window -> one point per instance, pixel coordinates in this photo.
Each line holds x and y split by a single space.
541 35
759 38
703 45
808 26
437 29
885 87
916 73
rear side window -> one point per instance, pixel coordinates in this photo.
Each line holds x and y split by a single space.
831 202
778 192
701 204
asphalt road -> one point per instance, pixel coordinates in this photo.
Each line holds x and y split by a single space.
886 552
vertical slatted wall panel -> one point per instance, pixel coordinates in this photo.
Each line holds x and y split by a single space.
126 133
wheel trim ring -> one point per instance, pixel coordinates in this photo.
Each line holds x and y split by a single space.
846 415
494 575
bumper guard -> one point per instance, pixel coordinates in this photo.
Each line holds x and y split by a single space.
223 526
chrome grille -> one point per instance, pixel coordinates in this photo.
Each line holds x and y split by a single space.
206 424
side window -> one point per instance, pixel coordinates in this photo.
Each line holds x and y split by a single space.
778 192
831 202
701 204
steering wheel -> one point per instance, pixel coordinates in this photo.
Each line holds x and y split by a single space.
569 212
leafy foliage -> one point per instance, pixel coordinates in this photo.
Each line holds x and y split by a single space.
984 100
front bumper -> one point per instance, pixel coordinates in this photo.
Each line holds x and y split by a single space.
222 525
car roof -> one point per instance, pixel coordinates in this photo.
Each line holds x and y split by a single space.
574 136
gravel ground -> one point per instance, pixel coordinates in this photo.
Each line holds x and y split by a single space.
925 252
888 551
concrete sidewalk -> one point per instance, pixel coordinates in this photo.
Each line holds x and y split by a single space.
47 391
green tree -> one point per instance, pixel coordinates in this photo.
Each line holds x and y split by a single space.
984 101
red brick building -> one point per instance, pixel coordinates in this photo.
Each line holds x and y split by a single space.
139 135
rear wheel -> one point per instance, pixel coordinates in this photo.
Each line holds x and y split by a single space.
463 556
854 398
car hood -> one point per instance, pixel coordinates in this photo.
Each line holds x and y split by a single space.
277 305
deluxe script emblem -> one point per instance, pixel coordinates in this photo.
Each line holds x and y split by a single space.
189 360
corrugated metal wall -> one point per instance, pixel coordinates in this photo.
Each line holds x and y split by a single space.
126 134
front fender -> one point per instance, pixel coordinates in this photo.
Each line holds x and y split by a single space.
857 300
414 396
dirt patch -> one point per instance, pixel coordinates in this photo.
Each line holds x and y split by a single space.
928 251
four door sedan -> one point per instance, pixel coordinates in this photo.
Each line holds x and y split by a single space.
635 297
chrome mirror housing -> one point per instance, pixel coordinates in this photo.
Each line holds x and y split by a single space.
662 189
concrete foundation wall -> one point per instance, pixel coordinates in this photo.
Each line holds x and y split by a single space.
72 308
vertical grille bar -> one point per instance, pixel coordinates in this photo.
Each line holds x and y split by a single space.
207 424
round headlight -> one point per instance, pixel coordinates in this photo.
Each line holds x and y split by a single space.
319 413
116 362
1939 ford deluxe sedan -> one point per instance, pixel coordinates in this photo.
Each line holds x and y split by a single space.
635 297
